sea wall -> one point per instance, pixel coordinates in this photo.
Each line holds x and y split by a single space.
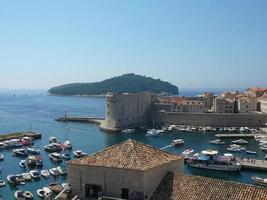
210 119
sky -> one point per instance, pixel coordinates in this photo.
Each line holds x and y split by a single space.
190 43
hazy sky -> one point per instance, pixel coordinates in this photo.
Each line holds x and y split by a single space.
193 44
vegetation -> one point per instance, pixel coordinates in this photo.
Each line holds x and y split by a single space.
126 83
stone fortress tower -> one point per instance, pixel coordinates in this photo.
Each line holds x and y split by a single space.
126 110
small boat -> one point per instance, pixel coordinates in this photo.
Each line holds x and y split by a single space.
20 152
54 172
128 130
35 174
33 150
235 148
2 183
44 192
12 179
66 186
27 176
52 139
39 161
55 157
259 181
23 195
79 154
55 187
45 173
53 147
62 171
187 153
1 156
177 142
152 133
240 141
66 156
217 141
3 145
251 152
67 145
22 163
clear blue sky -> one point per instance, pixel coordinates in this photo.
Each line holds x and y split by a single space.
193 44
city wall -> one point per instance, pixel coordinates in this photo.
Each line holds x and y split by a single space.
210 119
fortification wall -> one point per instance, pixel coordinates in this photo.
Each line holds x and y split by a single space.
211 119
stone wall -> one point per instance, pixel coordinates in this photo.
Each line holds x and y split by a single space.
211 119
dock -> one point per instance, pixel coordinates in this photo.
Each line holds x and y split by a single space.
254 164
16 135
238 135
93 120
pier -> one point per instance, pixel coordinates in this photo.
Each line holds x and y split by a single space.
238 135
93 120
16 135
254 164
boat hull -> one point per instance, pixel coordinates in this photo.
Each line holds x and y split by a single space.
217 167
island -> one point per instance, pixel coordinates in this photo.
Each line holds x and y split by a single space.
127 83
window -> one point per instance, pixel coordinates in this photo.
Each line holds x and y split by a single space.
124 193
92 191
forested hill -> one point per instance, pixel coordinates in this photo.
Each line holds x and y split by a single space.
125 83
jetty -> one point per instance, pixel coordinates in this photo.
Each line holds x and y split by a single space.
16 135
237 135
254 164
93 120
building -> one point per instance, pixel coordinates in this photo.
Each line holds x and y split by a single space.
230 95
255 91
126 110
263 103
224 105
129 170
247 104
207 98
188 187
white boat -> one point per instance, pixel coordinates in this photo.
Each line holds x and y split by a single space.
12 179
66 186
33 150
251 152
259 181
187 153
56 157
27 176
44 192
54 172
67 145
152 132
23 195
52 139
2 183
22 163
177 142
1 156
235 148
216 141
240 141
35 174
79 154
128 130
45 173
62 170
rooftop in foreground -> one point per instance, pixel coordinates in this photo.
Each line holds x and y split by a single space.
129 154
188 187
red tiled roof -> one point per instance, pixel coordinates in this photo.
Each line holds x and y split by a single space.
188 187
129 154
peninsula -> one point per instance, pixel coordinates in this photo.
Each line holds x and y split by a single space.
127 83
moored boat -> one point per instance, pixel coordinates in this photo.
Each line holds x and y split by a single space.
33 150
55 157
217 141
251 152
128 130
259 181
44 192
23 195
52 139
235 148
66 156
177 142
27 176
79 154
22 163
62 171
240 141
20 152
152 132
35 174
2 183
54 171
187 153
45 173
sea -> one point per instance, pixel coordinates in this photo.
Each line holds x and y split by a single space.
37 111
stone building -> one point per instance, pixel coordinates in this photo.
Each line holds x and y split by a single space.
207 98
255 92
129 170
263 103
247 104
224 105
126 110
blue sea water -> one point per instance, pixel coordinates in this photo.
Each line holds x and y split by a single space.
38 111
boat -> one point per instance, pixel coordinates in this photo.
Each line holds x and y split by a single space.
152 132
62 171
79 154
251 152
2 183
54 171
128 130
1 157
33 150
39 161
177 142
52 139
3 145
22 163
53 147
259 181
235 148
55 157
67 187
23 195
35 161
66 156
240 141
45 173
12 179
212 160
217 141
35 174
187 153
67 145
27 176
20 152
55 187
44 192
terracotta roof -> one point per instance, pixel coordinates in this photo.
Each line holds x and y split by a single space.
129 154
188 187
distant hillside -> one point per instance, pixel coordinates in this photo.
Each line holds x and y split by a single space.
126 83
